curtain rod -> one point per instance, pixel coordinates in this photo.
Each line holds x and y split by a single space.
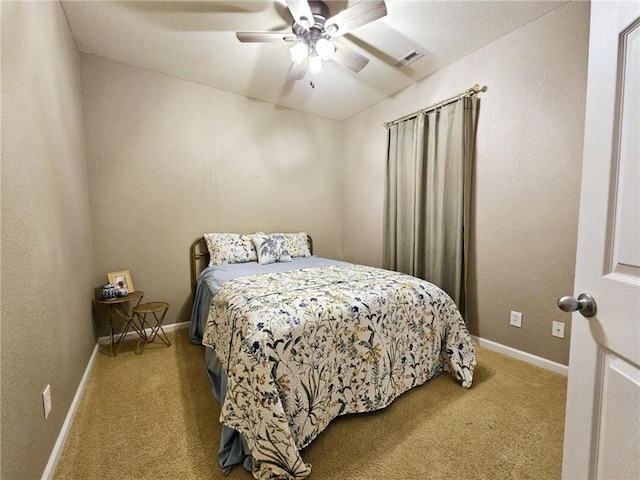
468 92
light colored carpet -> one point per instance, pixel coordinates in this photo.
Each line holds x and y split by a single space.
152 416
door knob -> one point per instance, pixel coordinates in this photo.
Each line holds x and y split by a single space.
585 304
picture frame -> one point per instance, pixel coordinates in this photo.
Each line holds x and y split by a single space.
121 280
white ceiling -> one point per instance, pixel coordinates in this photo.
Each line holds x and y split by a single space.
195 40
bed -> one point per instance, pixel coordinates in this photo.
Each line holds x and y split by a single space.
295 342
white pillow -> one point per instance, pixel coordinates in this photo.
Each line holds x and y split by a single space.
271 248
227 248
296 243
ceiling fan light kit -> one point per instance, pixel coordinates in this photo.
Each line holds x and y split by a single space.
298 52
315 65
312 30
325 49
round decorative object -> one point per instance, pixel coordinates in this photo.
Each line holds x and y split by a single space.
109 291
123 292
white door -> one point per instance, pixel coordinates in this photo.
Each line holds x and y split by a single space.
602 431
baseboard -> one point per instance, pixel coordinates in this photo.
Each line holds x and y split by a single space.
132 334
68 421
524 356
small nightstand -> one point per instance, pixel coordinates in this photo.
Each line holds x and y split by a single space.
119 305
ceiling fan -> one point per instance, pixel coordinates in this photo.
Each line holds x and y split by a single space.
312 31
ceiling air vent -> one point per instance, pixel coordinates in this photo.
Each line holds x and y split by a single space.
408 59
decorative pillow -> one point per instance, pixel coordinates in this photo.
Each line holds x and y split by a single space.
271 248
296 243
227 248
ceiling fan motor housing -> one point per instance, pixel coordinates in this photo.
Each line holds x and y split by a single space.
314 33
319 8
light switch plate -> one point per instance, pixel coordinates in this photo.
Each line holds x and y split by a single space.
46 401
515 319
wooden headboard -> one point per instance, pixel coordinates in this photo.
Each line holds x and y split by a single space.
200 258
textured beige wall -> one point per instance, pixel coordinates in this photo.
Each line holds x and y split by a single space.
169 160
527 175
47 261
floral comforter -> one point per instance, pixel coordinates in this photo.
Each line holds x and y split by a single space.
305 346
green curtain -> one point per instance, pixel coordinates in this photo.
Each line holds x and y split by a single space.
428 193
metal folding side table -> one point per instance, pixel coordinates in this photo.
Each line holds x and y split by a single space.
120 305
158 310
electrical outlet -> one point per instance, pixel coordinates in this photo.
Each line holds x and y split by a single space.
557 329
515 320
46 401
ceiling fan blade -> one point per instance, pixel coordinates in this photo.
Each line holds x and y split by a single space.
265 37
350 59
370 50
353 17
301 12
297 71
